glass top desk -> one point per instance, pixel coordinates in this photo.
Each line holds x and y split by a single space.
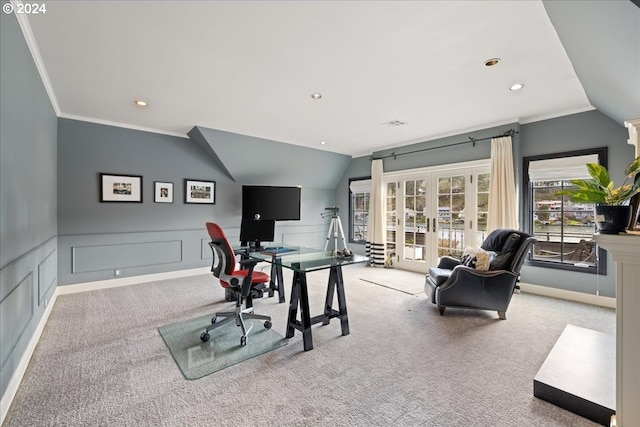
302 261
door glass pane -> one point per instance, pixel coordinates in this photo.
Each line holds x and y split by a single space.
482 207
392 219
391 211
451 201
457 184
409 188
444 185
414 219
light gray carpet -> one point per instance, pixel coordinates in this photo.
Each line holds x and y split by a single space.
101 361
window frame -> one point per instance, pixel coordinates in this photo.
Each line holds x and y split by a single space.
601 267
351 221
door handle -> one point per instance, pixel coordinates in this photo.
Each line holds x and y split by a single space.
434 225
427 224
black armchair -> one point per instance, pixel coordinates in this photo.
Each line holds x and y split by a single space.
454 284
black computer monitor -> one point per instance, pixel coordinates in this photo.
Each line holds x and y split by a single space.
270 202
254 232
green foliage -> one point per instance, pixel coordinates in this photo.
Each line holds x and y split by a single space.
600 189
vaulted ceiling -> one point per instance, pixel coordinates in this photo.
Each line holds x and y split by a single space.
389 72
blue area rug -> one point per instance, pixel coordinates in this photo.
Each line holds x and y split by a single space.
197 359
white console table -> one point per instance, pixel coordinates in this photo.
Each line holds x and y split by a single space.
625 250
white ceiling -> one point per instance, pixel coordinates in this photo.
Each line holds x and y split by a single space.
250 67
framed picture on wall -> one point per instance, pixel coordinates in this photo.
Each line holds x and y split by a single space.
163 192
196 191
120 188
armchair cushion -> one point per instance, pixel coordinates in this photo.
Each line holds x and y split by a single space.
476 258
502 258
439 275
496 239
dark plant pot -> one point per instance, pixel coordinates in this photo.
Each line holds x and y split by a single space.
613 219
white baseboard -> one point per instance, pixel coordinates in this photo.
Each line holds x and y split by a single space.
126 281
568 295
16 378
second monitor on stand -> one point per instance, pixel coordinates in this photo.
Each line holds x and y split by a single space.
253 232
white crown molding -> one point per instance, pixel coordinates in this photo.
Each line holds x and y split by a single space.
534 119
35 53
120 125
634 130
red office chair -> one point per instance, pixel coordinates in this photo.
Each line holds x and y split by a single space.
243 282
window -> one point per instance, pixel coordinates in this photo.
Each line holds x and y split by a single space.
564 229
359 192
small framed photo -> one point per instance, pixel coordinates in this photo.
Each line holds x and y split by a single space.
120 188
199 191
163 192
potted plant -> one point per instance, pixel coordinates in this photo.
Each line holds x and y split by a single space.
613 213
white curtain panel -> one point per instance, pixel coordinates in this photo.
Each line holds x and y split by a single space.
503 208
376 237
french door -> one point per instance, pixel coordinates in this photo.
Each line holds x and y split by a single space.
436 212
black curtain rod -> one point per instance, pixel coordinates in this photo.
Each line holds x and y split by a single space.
510 132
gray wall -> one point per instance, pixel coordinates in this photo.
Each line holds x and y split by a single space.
28 256
574 132
271 162
97 238
610 32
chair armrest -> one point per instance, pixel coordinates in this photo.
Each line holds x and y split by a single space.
463 275
249 262
448 263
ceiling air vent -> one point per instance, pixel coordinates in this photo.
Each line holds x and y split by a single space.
394 123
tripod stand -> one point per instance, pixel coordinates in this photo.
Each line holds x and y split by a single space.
335 230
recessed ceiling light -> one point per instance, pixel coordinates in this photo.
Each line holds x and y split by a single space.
323 142
516 86
316 95
140 103
491 62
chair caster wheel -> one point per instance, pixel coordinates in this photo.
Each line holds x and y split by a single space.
214 319
243 341
268 324
205 336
